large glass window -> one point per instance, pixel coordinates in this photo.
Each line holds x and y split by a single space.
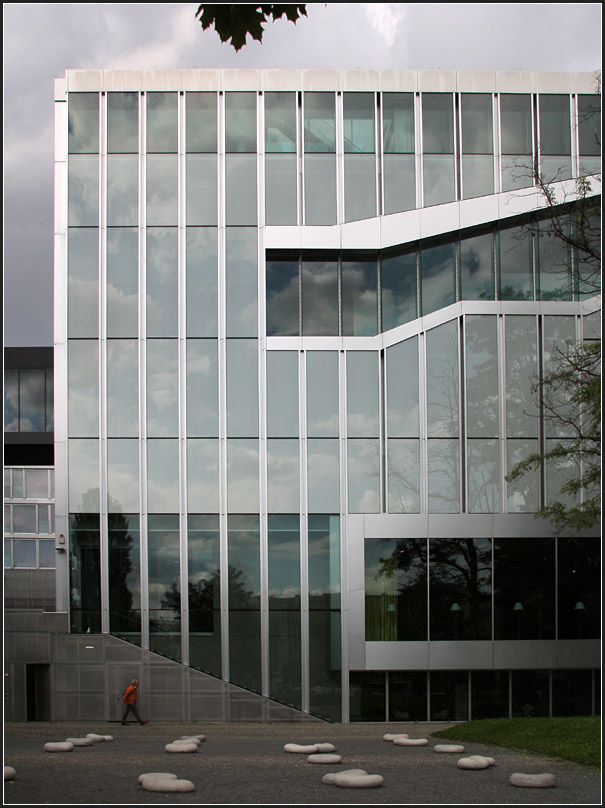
398 289
359 297
242 282
555 137
242 388
242 476
164 576
521 375
201 122
122 388
399 168
202 388
554 258
244 601
124 576
122 282
283 297
481 371
162 133
162 190
403 475
83 191
477 267
438 148
162 285
403 390
83 389
360 163
282 394
320 189
202 282
322 394
449 695
516 266
202 193
362 394
323 475
319 298
477 145
280 158
83 281
122 123
438 274
203 474
162 388
407 696
516 141
122 190
204 592
489 694
442 381
85 573
283 475
578 594
589 125
240 122
83 123
162 475
123 475
367 695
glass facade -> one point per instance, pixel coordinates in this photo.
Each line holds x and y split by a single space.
257 371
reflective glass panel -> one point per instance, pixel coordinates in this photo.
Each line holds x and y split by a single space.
396 601
477 130
36 483
323 475
521 376
282 284
367 695
83 475
399 180
524 589
579 585
202 189
461 589
363 472
283 476
242 476
244 601
516 270
202 388
362 394
124 576
515 124
444 476
240 190
162 190
322 394
359 297
280 122
11 402
324 617
162 475
358 122
572 692
122 388
162 388
319 298
477 175
122 122
83 123
449 695
83 191
202 282
32 400
201 122
437 123
439 181
240 122
442 381
46 554
85 573
24 520
123 476
203 475
203 540
554 259
162 133
530 694
589 125
282 394
122 282
559 337
242 388
477 267
407 696
483 469
320 189
242 282
319 122
122 190
162 287
555 125
403 475
402 389
517 171
360 187
523 494
164 576
481 367
50 402
281 192
83 282
398 289
83 389
489 694
398 123
438 274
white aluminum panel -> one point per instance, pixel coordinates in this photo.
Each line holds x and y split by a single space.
200 80
444 315
461 655
276 80
514 81
284 343
322 343
398 81
359 81
324 238
161 80
356 621
60 89
554 82
360 343
519 654
586 83
437 81
394 526
241 80
479 210
361 235
400 228
440 219
319 80
84 81
476 81
406 656
283 237
60 293
356 564
514 203
472 526
123 80
578 654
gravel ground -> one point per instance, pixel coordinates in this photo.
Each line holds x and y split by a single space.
245 764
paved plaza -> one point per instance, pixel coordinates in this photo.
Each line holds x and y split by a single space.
246 764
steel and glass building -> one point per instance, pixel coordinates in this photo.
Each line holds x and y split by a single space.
299 318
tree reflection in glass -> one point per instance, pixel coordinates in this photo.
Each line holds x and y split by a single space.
244 601
204 592
124 576
164 576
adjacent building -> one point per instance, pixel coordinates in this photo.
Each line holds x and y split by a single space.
299 317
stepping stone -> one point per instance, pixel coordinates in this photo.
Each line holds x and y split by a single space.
490 760
448 747
324 758
79 741
95 738
391 736
59 746
200 738
410 742
298 749
108 737
325 747
9 773
183 746
474 762
168 775
196 741
358 780
532 780
154 783
329 778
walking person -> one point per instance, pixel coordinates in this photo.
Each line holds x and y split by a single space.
129 700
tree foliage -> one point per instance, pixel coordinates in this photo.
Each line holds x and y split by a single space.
236 21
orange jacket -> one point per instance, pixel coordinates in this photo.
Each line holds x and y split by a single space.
130 695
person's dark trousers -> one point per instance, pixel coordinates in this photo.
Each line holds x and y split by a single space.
131 708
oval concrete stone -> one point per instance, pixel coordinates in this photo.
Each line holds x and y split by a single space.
166 784
410 742
196 741
448 748
299 749
108 737
532 780
59 746
181 747
324 758
95 738
9 773
325 747
490 760
390 736
79 741
473 763
168 775
358 780
200 738
329 778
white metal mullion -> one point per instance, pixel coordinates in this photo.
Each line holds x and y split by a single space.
304 536
104 534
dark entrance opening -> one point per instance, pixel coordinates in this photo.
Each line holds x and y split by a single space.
37 684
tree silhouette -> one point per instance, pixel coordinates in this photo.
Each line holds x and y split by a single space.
236 21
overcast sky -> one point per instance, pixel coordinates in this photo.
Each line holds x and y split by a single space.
42 41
